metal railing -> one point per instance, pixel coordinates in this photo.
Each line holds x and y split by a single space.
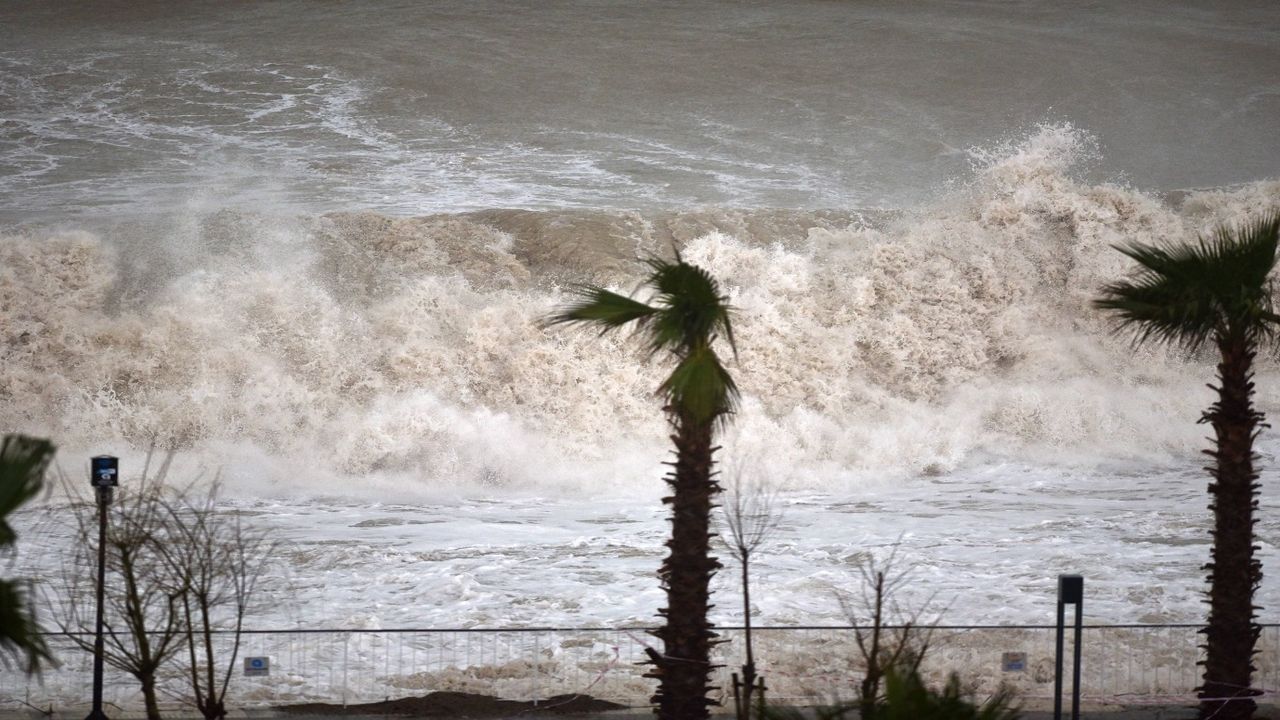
1122 663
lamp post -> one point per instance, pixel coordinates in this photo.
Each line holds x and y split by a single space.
1070 592
104 477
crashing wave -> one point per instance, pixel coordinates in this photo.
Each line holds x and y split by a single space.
407 351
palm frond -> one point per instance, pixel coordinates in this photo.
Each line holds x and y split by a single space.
1187 294
602 308
23 461
684 317
693 310
700 387
1156 308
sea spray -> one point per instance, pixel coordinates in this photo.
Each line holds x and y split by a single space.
871 345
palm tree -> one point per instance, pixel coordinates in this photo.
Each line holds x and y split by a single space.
22 464
683 319
1218 290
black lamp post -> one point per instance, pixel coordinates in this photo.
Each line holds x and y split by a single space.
1070 592
104 476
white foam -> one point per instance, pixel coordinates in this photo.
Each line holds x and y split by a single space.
411 348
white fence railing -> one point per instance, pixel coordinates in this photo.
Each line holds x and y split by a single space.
1121 663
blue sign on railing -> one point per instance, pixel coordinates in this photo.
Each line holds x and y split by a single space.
257 666
1014 662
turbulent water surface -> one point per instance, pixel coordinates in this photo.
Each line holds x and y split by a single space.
309 245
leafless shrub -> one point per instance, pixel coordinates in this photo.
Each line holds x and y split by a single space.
213 565
141 622
751 516
180 570
891 638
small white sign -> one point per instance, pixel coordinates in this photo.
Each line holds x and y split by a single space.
1014 661
257 666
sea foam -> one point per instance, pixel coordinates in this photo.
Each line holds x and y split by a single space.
408 351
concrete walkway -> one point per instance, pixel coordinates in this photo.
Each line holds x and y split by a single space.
1095 713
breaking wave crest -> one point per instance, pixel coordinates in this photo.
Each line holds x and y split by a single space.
308 352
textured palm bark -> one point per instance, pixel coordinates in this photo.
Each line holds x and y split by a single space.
1232 631
683 667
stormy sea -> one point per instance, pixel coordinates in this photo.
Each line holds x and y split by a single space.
308 248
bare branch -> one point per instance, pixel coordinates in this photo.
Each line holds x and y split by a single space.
888 636
750 517
140 628
750 512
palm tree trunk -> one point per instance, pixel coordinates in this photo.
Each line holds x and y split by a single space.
1234 573
683 667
